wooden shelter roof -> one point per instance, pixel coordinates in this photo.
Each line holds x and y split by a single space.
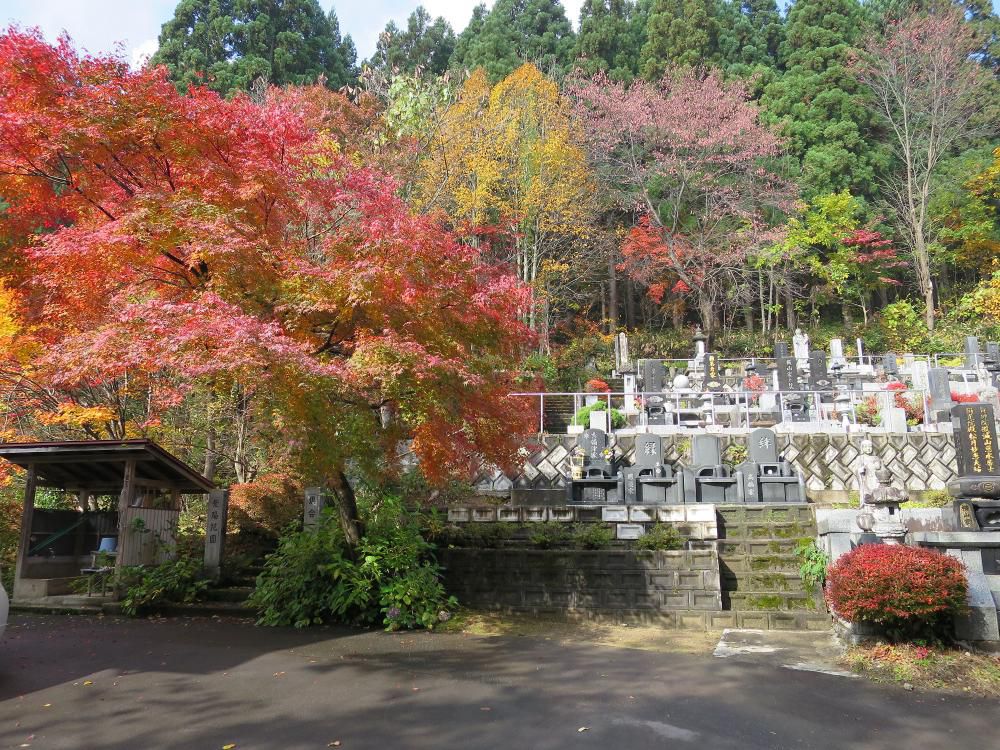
99 465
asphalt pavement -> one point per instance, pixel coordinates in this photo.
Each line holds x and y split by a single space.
88 682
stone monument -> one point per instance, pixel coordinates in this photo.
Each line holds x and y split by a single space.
800 345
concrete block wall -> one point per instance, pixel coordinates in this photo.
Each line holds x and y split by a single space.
918 461
598 582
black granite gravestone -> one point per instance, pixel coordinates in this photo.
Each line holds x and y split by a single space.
765 477
713 378
978 483
649 480
601 480
708 480
889 364
788 376
653 375
780 349
819 378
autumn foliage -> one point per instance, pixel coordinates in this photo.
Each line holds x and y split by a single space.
157 243
902 588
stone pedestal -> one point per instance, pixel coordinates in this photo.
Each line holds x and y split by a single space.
980 553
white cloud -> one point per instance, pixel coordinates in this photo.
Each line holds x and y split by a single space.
143 52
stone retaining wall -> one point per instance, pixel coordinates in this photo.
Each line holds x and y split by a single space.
917 461
584 581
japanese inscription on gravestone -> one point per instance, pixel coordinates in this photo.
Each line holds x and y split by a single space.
975 451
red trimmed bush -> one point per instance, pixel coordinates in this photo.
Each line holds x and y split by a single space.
910 591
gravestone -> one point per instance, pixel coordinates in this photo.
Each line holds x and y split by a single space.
765 477
889 364
894 419
780 349
939 390
707 480
993 350
975 440
919 375
654 375
649 480
972 355
600 481
837 357
819 378
622 363
315 501
713 381
788 376
215 532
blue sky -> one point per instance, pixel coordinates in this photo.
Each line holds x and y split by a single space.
98 25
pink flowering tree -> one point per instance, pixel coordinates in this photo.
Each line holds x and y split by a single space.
687 155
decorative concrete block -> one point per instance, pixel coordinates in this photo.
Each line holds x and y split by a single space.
640 514
614 513
484 515
629 531
562 515
509 515
672 513
535 514
458 515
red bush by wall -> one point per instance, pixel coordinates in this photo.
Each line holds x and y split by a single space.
909 590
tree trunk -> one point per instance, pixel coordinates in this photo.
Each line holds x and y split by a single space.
629 304
347 508
789 310
612 293
748 318
210 456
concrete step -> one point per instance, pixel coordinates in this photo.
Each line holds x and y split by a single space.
758 547
765 513
783 601
777 530
763 582
741 563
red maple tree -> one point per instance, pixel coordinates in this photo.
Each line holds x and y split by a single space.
159 242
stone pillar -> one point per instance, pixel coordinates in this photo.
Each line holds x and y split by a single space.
315 501
215 532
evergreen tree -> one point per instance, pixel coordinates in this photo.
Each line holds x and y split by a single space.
680 33
605 40
426 43
228 44
823 107
750 32
513 32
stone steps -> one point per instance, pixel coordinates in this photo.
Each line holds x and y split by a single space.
229 594
760 570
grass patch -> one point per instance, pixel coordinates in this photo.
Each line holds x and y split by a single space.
924 668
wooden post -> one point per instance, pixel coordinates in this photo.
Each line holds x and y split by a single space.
27 513
215 532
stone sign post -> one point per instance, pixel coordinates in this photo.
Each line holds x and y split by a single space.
940 394
215 532
972 356
315 501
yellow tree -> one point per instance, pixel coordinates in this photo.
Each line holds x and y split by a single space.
506 165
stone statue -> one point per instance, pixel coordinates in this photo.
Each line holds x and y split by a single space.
865 473
880 512
800 347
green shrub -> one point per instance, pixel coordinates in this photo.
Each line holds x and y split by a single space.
904 327
931 499
311 579
179 581
549 534
593 536
814 564
582 417
661 537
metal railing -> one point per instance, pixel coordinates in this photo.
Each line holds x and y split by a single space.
737 406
